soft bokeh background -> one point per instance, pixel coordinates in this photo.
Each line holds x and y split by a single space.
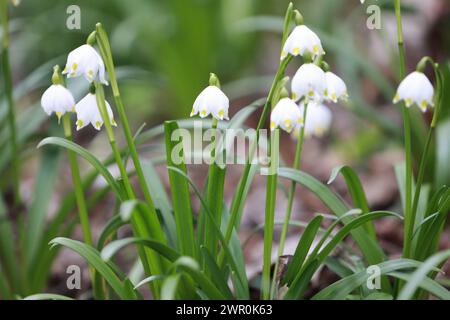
165 50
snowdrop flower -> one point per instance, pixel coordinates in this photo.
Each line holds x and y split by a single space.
286 115
211 101
302 40
415 89
57 99
85 61
336 88
318 119
15 2
310 82
88 111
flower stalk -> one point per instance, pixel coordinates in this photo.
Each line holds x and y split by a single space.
284 230
8 86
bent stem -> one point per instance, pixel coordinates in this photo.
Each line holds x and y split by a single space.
287 218
409 218
6 68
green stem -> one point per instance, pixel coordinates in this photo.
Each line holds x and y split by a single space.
271 195
100 94
284 231
408 215
105 50
6 68
79 194
211 239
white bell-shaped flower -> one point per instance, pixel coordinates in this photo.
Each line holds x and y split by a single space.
302 40
318 119
85 61
415 89
309 82
336 88
286 115
57 99
212 101
88 112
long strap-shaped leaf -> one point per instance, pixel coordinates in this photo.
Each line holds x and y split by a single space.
94 259
87 156
371 250
180 193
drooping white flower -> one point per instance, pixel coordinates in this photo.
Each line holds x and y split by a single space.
15 2
309 82
336 88
302 40
318 119
88 112
212 101
286 115
85 61
57 99
415 89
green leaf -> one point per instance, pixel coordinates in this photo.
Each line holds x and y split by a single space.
84 153
228 253
303 247
160 199
370 248
114 246
169 287
180 192
217 276
344 287
93 258
414 282
192 269
356 190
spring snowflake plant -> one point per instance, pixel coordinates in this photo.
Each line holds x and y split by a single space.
201 258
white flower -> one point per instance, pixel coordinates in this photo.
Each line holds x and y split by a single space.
302 40
318 119
211 101
85 61
286 115
415 89
88 112
15 2
309 81
57 99
336 88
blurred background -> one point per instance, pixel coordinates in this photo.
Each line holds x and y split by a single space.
165 50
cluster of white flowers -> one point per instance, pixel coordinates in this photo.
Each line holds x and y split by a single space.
310 86
83 61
